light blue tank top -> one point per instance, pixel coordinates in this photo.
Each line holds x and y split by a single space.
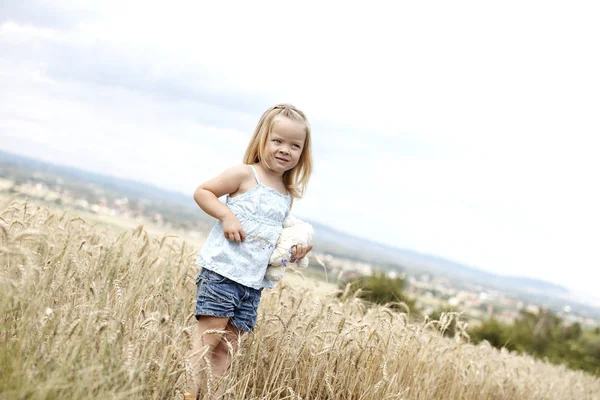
261 211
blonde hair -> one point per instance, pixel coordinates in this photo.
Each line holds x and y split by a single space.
296 179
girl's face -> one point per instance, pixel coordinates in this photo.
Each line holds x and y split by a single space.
285 144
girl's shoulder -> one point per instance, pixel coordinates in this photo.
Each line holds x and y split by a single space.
242 174
242 170
245 178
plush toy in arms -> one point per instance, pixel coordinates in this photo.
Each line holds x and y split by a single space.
294 232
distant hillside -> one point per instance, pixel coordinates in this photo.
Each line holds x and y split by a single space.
326 238
359 247
179 207
125 187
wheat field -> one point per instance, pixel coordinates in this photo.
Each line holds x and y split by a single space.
87 314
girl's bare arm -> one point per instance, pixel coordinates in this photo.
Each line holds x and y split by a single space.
207 196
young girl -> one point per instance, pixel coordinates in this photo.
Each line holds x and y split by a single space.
277 167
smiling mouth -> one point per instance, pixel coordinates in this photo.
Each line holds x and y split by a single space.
281 159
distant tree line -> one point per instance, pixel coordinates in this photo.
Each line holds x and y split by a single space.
543 335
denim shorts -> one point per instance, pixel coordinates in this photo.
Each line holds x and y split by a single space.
218 296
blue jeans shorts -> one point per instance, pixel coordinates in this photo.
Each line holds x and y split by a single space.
218 296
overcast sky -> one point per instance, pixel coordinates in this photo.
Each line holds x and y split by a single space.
467 130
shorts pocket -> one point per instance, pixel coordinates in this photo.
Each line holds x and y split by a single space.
256 298
209 276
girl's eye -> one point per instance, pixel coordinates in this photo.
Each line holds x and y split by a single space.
277 140
296 146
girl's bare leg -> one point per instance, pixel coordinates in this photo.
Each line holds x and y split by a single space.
222 355
199 352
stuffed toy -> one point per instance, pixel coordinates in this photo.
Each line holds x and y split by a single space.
294 232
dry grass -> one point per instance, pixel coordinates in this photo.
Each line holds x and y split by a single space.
85 314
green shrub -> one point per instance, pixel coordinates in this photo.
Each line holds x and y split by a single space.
380 289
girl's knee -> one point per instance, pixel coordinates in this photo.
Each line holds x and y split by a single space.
219 351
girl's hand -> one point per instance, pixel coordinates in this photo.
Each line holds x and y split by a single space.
233 229
300 251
